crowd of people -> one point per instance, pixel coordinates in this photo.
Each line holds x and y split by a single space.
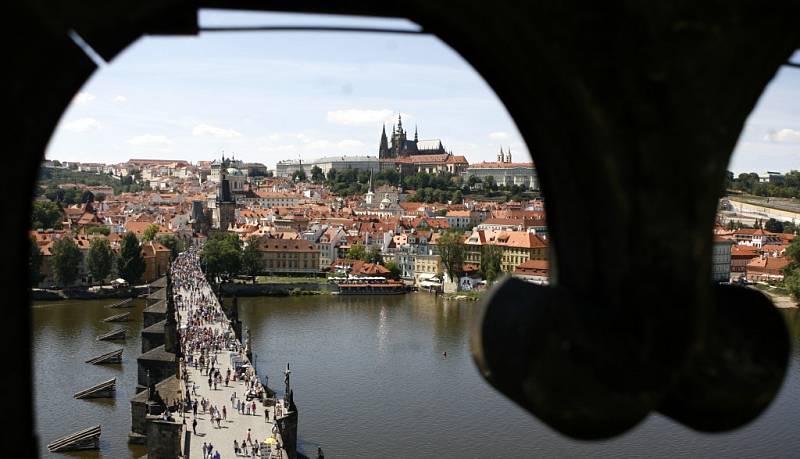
205 335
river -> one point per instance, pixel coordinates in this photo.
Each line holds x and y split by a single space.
371 380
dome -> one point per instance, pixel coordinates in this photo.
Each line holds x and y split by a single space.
234 171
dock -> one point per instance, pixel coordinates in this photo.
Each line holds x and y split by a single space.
105 389
118 317
84 439
108 357
122 304
113 335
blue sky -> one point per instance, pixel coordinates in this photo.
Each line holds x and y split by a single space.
267 96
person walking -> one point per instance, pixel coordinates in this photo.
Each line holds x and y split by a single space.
194 426
224 413
236 447
205 450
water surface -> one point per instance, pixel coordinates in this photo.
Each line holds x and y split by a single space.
370 380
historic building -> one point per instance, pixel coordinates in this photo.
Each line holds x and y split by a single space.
288 256
506 172
400 146
437 164
222 204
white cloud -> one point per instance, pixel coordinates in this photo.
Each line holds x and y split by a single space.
354 117
83 98
149 139
82 124
783 135
214 131
350 144
498 135
119 99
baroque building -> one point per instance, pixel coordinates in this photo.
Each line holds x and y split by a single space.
400 146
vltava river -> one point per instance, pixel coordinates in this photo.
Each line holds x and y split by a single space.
371 381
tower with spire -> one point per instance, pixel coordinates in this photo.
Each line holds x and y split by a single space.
399 145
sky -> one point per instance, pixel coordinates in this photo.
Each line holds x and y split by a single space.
270 96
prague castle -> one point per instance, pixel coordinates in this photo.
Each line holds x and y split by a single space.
401 147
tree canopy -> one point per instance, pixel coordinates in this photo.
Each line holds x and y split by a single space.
34 262
221 255
252 261
66 261
99 259
46 214
357 252
150 233
394 270
451 252
130 265
491 256
316 175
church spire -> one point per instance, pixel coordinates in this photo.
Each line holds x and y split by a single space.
500 156
416 136
399 123
383 149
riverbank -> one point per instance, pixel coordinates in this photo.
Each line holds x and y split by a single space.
277 289
779 296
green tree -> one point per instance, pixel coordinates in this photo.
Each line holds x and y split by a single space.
130 264
252 261
99 259
35 262
791 282
789 227
299 176
150 233
357 252
774 226
316 175
374 255
171 242
394 270
451 251
46 214
100 197
221 255
66 260
491 256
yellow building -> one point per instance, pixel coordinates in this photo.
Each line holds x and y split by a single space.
426 266
517 247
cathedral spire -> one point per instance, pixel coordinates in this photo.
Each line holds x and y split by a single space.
416 136
399 123
383 149
500 156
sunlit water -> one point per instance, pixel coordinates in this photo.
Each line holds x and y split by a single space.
370 380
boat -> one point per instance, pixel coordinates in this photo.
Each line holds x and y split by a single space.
369 286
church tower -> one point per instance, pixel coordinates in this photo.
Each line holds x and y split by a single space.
383 150
399 139
370 194
226 205
500 156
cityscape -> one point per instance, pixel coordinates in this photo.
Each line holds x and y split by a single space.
288 253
